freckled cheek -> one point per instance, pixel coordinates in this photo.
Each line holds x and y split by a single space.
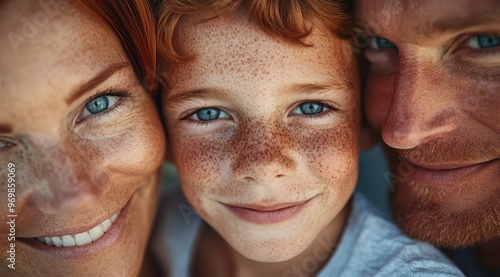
333 155
199 163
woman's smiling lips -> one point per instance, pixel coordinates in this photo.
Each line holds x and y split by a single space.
267 214
74 245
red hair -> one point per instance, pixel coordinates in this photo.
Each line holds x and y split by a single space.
286 19
133 22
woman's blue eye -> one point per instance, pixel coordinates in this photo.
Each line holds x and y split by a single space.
98 105
484 41
209 114
381 43
309 108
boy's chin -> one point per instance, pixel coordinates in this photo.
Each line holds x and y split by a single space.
271 250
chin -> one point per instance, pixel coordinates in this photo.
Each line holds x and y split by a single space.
422 213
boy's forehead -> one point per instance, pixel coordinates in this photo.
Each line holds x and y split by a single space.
232 47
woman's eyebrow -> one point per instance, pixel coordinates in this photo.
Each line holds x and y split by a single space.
96 80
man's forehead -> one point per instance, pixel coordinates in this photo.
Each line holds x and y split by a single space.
400 18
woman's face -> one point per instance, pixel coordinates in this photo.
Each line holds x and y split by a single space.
85 139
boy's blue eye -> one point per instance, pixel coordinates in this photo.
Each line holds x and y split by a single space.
381 43
309 108
209 114
484 41
99 105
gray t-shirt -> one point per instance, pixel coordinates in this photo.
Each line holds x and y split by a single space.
370 245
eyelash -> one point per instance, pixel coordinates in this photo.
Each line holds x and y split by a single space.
462 41
122 94
321 115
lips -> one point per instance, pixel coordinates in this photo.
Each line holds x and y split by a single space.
82 238
267 214
446 174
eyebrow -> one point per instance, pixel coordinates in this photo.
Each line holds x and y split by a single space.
460 23
344 87
96 80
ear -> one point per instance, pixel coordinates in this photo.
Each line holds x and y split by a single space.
367 139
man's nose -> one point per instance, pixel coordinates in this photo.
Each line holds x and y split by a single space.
66 181
262 155
421 108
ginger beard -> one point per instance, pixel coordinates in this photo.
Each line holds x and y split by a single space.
447 217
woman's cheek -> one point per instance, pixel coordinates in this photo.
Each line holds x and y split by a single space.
137 147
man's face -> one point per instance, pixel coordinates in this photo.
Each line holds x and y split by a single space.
264 133
433 92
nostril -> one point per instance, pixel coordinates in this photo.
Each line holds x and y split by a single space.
280 175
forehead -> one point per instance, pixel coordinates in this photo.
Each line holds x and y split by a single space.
407 19
230 48
50 49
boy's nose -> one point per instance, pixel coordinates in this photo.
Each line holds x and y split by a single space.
262 155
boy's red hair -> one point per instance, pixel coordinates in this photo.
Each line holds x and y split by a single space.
287 19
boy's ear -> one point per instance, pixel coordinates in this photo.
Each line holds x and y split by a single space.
367 138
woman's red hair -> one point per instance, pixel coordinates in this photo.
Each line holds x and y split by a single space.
133 22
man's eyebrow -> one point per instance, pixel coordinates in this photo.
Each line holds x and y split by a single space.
462 22
96 80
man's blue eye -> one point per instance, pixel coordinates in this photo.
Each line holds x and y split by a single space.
209 114
381 43
98 105
309 108
484 41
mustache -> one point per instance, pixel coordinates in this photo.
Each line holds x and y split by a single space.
453 150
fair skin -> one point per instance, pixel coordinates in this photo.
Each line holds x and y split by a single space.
84 148
245 143
433 94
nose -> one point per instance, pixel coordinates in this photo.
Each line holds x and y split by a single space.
263 154
422 106
65 181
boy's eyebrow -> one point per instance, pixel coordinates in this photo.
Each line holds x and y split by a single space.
342 86
196 94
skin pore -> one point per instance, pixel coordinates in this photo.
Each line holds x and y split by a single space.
432 93
257 146
86 141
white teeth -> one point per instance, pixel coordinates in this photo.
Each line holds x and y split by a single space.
68 241
81 238
96 232
106 224
57 241
48 241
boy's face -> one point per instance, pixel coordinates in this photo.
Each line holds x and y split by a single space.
264 133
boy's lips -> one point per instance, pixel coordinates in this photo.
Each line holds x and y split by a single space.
267 214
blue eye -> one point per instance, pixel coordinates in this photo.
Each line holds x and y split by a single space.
209 114
309 108
98 105
483 41
381 43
